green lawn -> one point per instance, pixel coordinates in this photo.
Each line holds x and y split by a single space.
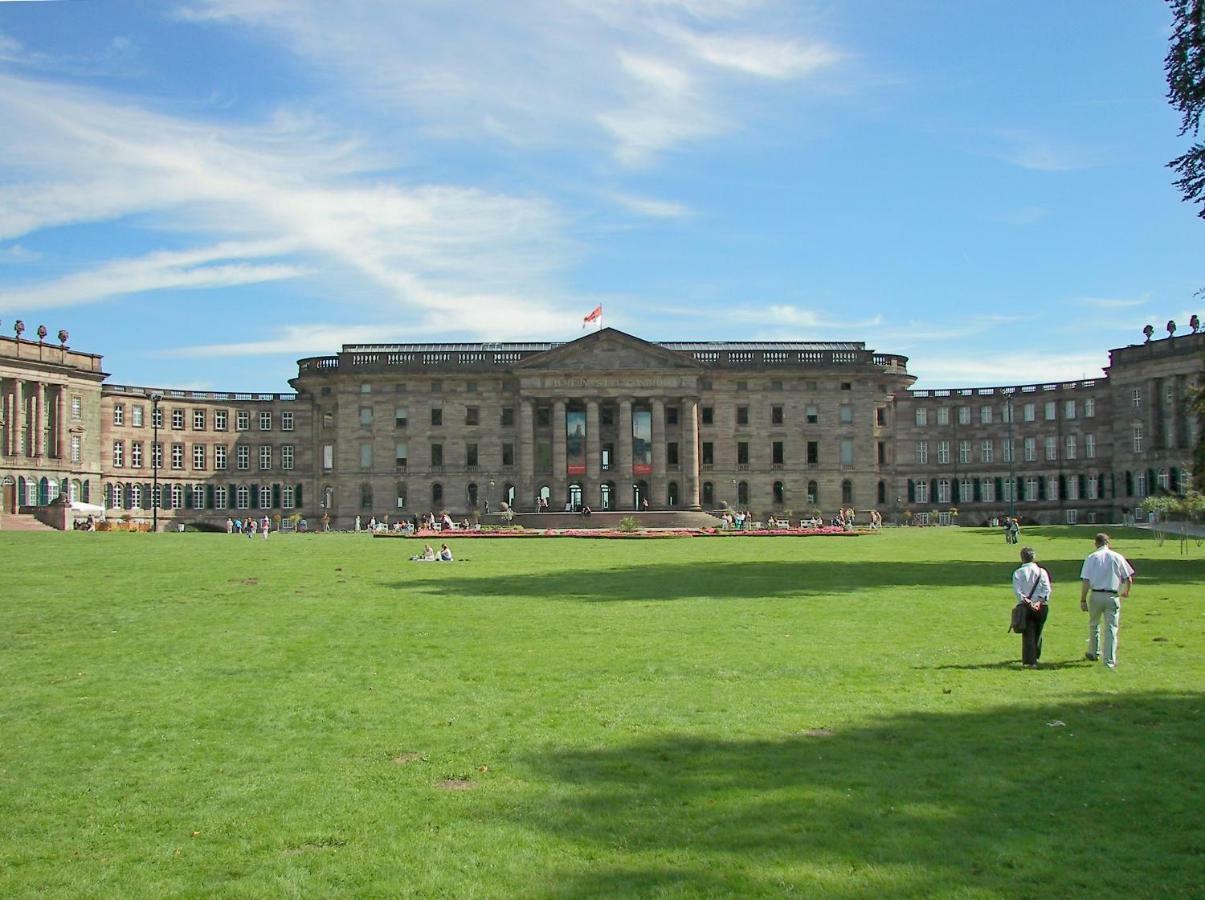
315 716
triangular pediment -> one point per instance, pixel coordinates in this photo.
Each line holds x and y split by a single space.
608 350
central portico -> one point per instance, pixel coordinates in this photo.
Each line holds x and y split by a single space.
609 421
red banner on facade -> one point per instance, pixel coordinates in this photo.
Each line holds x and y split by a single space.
642 469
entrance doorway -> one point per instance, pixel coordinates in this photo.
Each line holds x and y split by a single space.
575 497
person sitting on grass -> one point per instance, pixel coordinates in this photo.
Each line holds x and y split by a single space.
445 553
428 555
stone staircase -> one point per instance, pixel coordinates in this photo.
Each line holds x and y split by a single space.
21 522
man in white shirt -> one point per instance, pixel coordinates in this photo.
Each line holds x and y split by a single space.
1106 578
1031 585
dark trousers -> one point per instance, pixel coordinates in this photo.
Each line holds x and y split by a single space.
1031 637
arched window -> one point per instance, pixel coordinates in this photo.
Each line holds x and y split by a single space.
135 496
708 495
780 493
813 493
640 493
44 491
606 495
847 493
671 494
198 496
471 494
87 495
545 492
437 496
75 491
242 497
575 496
177 496
742 493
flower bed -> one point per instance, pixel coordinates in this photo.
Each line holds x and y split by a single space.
611 534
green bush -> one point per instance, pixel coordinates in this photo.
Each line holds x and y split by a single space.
629 523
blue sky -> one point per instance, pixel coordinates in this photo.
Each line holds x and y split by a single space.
207 190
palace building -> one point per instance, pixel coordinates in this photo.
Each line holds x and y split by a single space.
608 421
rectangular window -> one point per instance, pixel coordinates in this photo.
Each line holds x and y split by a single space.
922 491
156 418
157 455
707 414
366 455
606 415
880 415
219 456
265 457
776 453
1090 446
1029 412
177 456
964 451
1089 408
922 416
671 415
943 491
1031 488
265 496
177 419
219 497
437 417
775 415
1136 398
1051 410
543 417
437 455
1030 449
1008 451
881 447
198 456
708 453
328 456
136 454
987 490
1069 452
742 415
508 454
286 421
400 417
671 453
77 408
472 415
922 452
118 454
742 453
847 414
286 456
1052 448
811 415
198 420
242 420
943 452
328 420
470 456
287 497
265 421
847 451
508 417
1068 409
985 415
964 415
985 451
76 446
943 415
198 496
136 414
813 453
1093 487
1072 488
220 419
242 457
365 416
1137 438
119 414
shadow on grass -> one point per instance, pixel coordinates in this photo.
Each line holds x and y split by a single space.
1053 800
1013 664
772 578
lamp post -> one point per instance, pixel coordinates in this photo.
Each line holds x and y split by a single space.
1012 457
155 398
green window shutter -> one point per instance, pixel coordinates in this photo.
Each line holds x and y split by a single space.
276 496
1151 482
187 498
209 496
128 500
956 491
232 496
911 491
999 489
1129 483
1062 488
1175 483
978 491
254 496
1041 487
297 497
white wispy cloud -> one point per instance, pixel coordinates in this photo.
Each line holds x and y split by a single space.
1003 369
1040 153
651 207
1114 302
646 76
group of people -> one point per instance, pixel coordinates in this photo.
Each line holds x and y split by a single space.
1105 580
735 520
1012 530
430 555
249 526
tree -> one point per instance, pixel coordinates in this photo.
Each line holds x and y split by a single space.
1197 406
1185 67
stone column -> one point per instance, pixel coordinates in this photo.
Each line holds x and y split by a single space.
560 491
20 419
659 479
40 419
690 453
10 418
525 492
623 467
590 494
60 422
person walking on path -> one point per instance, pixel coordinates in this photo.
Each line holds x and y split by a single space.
1031 585
1105 580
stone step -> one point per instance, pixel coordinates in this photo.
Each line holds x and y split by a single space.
21 522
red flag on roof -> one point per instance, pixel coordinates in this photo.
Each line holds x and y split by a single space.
595 316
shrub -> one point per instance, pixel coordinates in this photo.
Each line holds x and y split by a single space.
629 523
